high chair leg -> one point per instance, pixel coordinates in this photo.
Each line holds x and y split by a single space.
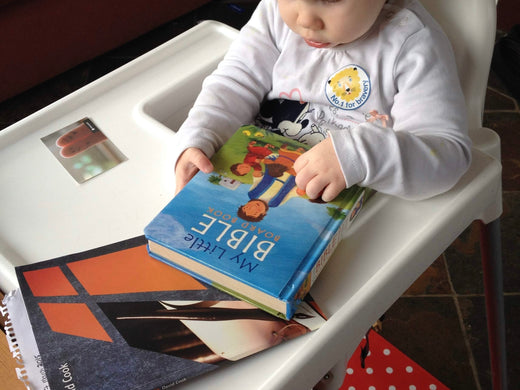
491 253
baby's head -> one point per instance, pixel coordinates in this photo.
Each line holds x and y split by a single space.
328 23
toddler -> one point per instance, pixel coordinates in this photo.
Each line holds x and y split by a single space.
371 84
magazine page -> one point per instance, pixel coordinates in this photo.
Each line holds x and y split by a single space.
113 317
22 343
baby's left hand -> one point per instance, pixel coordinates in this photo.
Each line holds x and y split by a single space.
318 172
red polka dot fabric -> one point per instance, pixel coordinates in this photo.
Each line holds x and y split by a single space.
386 368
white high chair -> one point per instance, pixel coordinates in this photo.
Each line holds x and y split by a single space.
139 107
394 241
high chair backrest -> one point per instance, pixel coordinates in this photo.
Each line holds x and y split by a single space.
471 27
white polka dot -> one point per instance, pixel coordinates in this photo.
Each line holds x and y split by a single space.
412 387
350 371
391 388
386 351
409 369
370 370
433 387
351 388
369 353
389 370
372 388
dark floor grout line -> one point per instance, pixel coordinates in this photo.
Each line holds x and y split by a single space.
465 337
502 112
457 296
454 295
471 357
506 95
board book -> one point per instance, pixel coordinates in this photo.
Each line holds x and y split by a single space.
114 318
247 229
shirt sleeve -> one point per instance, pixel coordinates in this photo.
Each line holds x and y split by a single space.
232 94
428 148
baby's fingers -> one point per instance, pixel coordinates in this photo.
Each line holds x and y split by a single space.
303 176
200 160
189 163
331 191
314 187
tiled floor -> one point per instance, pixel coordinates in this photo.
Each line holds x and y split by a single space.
440 321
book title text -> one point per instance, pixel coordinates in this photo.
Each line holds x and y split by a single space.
229 232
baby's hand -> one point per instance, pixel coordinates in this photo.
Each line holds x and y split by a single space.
318 172
189 163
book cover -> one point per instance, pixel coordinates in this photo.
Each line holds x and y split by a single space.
247 229
114 318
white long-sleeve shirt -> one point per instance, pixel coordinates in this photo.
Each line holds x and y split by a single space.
391 100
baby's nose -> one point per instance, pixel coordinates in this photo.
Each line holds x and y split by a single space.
309 20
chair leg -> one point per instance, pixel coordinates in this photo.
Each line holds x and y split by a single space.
491 253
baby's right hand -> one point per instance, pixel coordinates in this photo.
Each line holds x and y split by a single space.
189 163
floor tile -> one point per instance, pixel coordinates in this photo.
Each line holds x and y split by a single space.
497 99
494 82
512 314
473 312
464 262
428 331
463 256
507 126
433 281
474 316
510 232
